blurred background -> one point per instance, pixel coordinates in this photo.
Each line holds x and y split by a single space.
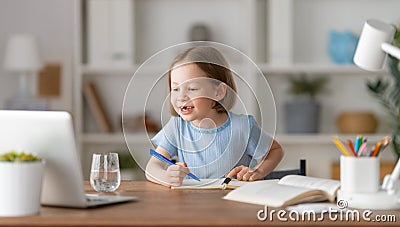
88 51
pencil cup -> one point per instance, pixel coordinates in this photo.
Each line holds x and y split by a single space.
359 174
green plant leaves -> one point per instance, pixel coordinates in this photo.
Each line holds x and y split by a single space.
388 95
305 86
13 156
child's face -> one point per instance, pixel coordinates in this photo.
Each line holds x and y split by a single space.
193 93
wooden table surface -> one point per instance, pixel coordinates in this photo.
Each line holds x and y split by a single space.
161 206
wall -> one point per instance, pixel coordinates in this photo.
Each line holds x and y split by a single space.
51 21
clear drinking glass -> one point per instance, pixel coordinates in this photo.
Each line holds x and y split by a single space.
105 175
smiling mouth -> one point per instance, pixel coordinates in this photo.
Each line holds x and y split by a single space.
186 108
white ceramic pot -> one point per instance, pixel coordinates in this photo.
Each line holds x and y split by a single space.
21 186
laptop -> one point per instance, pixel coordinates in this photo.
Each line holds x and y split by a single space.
50 135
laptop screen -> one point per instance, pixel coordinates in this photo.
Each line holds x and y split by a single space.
50 135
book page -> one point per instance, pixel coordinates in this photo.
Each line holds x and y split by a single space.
208 184
271 193
327 185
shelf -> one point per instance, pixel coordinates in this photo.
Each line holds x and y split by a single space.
145 69
315 69
264 67
291 139
88 69
115 138
280 42
122 70
321 139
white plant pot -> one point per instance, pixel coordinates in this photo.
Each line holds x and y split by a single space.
21 186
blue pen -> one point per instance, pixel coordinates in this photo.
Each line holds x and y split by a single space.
357 144
164 159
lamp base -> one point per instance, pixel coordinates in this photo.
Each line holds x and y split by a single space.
25 103
380 200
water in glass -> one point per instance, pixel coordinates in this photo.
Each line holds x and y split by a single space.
105 174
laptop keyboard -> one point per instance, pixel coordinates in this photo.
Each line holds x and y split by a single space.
94 199
99 198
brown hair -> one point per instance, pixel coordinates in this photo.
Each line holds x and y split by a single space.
214 65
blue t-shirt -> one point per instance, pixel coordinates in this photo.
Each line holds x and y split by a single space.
211 153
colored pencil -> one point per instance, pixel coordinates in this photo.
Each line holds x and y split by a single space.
340 146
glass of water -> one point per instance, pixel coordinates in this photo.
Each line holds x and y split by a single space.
105 175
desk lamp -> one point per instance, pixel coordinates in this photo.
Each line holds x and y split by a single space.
375 42
22 59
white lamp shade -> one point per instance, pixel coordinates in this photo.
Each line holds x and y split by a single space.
369 54
22 54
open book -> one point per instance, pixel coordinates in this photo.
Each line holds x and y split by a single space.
209 184
289 190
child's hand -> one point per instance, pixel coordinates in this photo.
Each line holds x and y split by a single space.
243 173
176 173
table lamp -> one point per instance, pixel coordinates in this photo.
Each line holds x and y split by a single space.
375 41
22 59
374 44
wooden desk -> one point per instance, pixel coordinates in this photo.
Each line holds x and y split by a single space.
161 206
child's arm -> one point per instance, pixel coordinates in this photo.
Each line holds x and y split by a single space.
161 173
273 158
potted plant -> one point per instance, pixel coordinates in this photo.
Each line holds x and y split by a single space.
303 112
388 94
21 183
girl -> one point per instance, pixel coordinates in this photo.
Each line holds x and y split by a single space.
207 138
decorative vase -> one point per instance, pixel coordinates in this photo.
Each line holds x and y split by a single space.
21 187
302 116
357 122
342 46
